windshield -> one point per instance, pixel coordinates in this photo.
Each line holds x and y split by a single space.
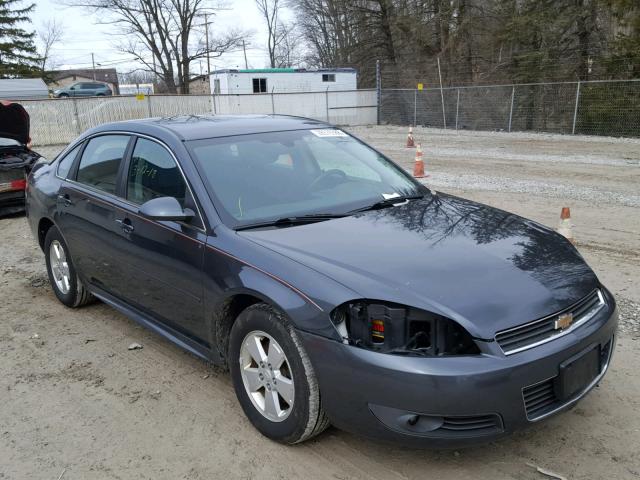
268 176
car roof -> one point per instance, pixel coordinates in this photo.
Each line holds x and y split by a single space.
195 127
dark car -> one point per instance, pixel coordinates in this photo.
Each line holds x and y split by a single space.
16 158
84 89
335 287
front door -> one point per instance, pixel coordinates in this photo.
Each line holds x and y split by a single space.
87 212
163 260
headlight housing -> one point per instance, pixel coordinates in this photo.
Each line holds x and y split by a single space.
398 329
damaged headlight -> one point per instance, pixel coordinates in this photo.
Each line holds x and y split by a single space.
392 328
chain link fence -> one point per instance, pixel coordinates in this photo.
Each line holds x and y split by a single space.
589 108
59 121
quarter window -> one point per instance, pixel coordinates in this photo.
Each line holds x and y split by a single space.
153 173
64 165
101 160
259 85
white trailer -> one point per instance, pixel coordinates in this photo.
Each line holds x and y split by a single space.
282 80
23 88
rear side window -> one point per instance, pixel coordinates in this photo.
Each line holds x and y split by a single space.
100 162
153 173
64 165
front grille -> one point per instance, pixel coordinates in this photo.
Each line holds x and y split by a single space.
540 399
475 425
540 331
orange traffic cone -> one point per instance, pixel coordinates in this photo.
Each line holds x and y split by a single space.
418 166
564 227
410 141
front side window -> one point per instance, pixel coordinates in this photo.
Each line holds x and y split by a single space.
259 85
101 160
64 165
263 177
153 173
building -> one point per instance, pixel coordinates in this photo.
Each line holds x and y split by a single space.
199 85
64 78
23 88
282 80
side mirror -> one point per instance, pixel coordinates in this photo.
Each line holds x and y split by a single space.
165 208
72 88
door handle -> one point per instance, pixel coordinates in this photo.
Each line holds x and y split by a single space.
65 199
125 224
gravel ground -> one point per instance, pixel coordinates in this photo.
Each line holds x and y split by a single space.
77 402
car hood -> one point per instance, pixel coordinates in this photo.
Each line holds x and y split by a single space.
485 268
14 122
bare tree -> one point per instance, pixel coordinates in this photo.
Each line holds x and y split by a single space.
289 51
160 34
270 10
330 29
50 33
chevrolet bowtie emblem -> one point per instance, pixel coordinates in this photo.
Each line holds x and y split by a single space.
563 321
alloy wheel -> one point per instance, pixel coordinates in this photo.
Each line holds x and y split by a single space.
266 375
59 267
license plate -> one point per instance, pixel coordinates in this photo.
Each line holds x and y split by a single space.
577 372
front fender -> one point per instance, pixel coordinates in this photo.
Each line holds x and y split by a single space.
232 271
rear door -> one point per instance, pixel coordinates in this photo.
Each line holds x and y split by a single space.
86 212
162 260
85 90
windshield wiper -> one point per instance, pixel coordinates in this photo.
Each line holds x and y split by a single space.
293 220
388 202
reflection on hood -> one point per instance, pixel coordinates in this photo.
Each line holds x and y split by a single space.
487 268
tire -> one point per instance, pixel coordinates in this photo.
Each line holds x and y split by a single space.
63 95
63 278
304 417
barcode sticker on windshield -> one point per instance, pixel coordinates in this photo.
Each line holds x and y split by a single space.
329 132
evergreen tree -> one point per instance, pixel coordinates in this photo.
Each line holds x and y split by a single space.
18 55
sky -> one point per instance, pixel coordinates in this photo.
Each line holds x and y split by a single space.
83 35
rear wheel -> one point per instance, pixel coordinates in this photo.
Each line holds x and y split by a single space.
273 377
64 280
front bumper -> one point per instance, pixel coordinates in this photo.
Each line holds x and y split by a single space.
485 390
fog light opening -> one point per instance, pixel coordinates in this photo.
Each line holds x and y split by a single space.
419 423
413 419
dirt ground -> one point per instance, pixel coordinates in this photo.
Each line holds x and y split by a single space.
75 401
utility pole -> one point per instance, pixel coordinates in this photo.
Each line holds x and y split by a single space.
93 62
206 39
244 49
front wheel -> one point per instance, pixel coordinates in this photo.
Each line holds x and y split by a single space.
273 377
